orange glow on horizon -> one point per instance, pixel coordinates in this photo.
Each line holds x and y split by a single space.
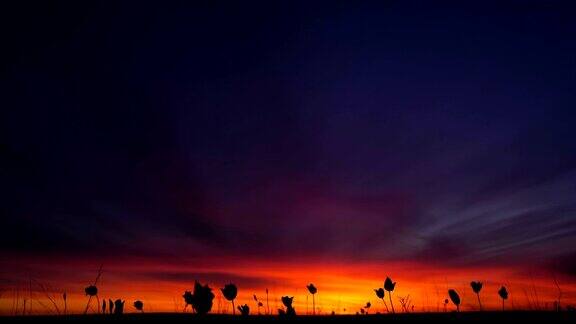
342 287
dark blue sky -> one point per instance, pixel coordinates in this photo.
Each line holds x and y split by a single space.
375 131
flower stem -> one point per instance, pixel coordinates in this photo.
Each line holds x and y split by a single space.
479 302
313 305
88 304
385 305
391 303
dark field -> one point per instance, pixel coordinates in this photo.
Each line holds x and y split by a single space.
483 317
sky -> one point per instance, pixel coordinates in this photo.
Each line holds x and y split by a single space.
277 144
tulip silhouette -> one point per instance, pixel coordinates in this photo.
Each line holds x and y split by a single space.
244 310
313 290
389 286
230 292
110 306
476 287
118 307
201 300
104 306
139 305
188 299
380 293
503 294
287 301
455 298
367 307
445 304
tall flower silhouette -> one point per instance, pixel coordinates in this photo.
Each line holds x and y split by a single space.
91 291
230 292
65 305
389 286
455 298
267 304
313 290
380 293
476 287
139 305
503 294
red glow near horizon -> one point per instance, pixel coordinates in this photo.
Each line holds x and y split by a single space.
342 287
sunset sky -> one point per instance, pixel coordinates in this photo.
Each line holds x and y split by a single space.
273 145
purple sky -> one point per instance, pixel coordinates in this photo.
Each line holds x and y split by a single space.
345 131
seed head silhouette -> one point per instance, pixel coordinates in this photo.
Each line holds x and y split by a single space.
455 298
139 305
258 303
503 294
91 290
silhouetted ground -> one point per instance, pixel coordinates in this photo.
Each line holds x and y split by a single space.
483 317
